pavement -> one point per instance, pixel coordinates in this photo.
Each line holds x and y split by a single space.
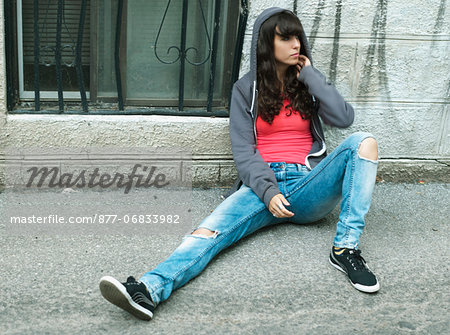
276 281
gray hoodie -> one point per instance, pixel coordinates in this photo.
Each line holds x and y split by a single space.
330 107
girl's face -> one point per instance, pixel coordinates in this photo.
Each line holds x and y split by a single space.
286 49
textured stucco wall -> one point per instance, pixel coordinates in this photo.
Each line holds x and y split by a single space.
2 71
390 59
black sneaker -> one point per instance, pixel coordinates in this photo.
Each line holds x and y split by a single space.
131 296
351 262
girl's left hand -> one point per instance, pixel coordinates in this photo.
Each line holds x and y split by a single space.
276 206
303 61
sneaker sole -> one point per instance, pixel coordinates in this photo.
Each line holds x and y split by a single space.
113 291
359 287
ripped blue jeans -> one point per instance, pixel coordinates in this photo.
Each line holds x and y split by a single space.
343 174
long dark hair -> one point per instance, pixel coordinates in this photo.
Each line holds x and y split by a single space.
270 98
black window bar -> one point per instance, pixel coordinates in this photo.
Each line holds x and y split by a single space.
9 47
117 55
37 96
182 56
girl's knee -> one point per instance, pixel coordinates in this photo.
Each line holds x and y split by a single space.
204 232
369 149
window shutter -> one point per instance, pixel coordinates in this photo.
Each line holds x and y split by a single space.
48 11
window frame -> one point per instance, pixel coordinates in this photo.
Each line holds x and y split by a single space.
18 97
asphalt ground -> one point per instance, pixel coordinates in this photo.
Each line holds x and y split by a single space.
276 281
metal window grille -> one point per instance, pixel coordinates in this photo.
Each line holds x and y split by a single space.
80 46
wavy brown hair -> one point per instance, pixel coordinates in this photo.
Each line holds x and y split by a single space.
270 98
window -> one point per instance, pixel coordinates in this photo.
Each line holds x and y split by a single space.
46 25
162 54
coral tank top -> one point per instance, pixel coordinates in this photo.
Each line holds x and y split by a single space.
288 139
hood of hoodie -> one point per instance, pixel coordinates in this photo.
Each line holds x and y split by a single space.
266 14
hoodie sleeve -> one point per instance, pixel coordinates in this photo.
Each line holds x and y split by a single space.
252 169
333 110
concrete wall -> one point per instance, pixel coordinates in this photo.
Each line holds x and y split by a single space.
2 73
390 59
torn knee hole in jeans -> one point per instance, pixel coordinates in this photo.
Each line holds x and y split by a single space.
370 148
367 159
205 233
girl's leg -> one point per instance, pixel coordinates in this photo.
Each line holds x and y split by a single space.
237 216
349 173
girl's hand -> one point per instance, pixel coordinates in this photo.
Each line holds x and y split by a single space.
303 61
276 206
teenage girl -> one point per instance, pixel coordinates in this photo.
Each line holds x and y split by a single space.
285 174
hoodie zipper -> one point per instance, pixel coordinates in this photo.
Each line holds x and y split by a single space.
252 108
320 152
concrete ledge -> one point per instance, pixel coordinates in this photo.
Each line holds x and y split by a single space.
207 138
413 170
213 173
222 173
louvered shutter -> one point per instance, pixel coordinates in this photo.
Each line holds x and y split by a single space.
47 31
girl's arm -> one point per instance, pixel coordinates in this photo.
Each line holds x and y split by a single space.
333 109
